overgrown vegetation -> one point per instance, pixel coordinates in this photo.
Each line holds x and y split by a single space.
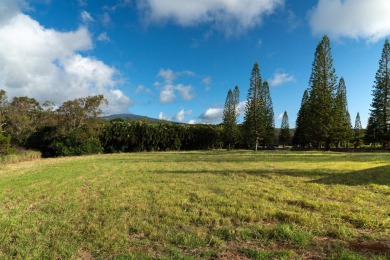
197 205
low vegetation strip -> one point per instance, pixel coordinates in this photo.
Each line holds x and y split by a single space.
191 205
20 157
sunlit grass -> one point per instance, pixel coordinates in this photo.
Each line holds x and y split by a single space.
197 205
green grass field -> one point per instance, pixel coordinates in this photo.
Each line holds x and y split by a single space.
197 205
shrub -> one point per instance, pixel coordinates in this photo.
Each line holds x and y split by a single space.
5 145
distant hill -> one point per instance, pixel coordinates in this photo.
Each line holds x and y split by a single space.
130 117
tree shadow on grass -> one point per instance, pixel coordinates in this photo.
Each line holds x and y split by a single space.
260 172
377 175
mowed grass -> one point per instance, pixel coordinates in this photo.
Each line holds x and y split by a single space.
197 205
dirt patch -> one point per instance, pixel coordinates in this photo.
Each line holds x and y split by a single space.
371 246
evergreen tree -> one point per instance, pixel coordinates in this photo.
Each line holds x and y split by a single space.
230 114
252 117
236 96
284 136
380 112
358 131
371 136
322 86
267 123
301 136
342 129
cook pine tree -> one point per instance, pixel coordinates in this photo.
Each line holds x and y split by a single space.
342 128
322 86
301 135
259 122
230 115
267 123
252 116
284 135
358 132
378 128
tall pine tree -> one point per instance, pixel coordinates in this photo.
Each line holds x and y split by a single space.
267 123
380 112
358 132
230 115
284 135
301 135
342 129
252 117
322 86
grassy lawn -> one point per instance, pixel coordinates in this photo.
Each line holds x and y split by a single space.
197 205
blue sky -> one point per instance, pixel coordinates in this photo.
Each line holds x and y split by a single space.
177 59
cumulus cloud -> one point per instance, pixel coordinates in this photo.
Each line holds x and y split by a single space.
167 74
186 92
179 117
230 16
48 65
279 78
167 94
351 18
168 89
212 115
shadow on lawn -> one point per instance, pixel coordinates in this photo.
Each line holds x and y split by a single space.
378 175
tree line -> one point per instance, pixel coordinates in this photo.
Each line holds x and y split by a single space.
323 120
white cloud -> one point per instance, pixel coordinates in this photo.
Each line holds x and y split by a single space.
103 37
280 78
163 116
167 94
142 89
179 117
86 17
47 65
212 115
168 89
280 116
230 16
186 92
351 18
181 114
241 107
167 74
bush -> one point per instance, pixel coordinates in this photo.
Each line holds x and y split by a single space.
5 145
52 143
72 145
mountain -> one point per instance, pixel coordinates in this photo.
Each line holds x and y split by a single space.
130 117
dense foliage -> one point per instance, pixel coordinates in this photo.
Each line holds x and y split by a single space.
137 136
